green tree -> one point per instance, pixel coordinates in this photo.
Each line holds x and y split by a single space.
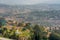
54 36
2 22
39 33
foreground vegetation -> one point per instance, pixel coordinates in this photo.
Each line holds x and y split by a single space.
27 31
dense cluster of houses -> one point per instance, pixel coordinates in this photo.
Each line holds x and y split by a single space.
12 22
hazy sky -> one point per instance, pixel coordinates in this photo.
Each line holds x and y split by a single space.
28 1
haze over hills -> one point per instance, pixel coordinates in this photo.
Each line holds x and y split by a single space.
44 14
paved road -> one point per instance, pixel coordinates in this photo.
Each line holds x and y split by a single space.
4 39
